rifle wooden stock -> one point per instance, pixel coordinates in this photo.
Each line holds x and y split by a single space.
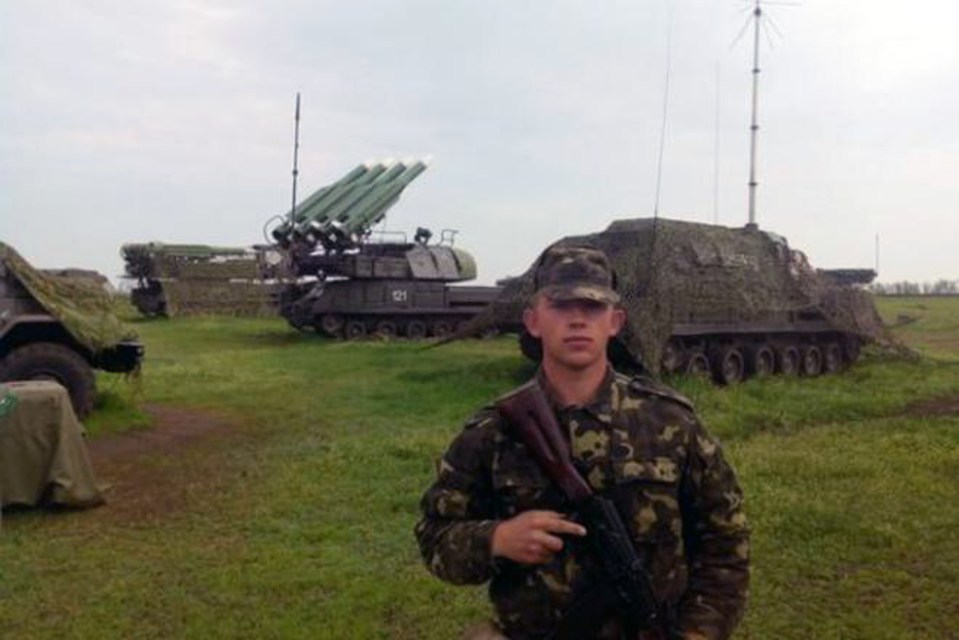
530 415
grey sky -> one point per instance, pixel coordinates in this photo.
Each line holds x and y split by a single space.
134 121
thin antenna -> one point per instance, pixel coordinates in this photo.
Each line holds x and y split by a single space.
662 132
716 154
758 25
754 126
296 155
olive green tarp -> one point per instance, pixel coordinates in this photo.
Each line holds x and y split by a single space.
43 456
671 272
84 309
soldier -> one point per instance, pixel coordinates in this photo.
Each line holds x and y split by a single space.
492 514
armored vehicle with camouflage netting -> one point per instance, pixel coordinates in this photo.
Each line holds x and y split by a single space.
725 302
59 328
349 282
184 279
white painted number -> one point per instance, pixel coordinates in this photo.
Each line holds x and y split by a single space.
399 295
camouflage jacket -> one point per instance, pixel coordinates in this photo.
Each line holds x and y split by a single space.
640 444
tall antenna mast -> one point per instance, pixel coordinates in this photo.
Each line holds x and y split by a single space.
296 154
754 126
757 20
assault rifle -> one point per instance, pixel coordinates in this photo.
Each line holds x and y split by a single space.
626 590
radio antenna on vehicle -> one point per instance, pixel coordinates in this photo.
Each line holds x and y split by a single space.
296 153
760 22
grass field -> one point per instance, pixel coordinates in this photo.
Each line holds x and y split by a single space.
297 523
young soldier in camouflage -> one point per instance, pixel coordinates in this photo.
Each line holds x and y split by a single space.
492 513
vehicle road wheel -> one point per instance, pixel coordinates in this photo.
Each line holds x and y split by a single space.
761 362
355 329
52 361
672 358
416 330
331 324
788 358
811 361
729 366
441 329
386 328
697 364
832 358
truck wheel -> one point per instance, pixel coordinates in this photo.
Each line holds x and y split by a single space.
811 361
355 329
761 361
386 328
331 324
729 366
832 358
672 358
416 330
52 361
697 364
788 360
441 329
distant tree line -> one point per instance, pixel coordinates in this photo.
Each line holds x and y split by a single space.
939 288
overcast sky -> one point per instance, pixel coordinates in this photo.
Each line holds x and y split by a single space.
127 121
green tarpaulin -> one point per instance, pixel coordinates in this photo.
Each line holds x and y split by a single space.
43 456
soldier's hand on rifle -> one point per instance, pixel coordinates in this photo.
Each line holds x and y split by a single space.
528 538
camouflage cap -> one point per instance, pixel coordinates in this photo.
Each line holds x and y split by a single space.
575 273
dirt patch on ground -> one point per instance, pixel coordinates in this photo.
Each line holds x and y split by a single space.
174 465
934 407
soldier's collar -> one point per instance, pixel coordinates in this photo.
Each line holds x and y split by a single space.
600 407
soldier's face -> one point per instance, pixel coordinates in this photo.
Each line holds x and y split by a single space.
574 333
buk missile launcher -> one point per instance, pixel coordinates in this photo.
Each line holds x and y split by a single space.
183 279
725 302
348 282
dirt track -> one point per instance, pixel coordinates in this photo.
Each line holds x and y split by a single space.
164 469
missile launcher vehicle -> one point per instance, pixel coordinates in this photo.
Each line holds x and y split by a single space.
184 279
346 281
59 328
712 300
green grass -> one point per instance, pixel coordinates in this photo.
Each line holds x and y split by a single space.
299 525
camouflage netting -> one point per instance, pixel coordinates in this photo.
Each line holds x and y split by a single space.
671 273
200 279
186 297
85 310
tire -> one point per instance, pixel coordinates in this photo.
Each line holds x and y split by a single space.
52 361
811 361
386 329
416 330
331 324
761 361
355 329
672 359
729 367
832 358
441 329
787 360
697 364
